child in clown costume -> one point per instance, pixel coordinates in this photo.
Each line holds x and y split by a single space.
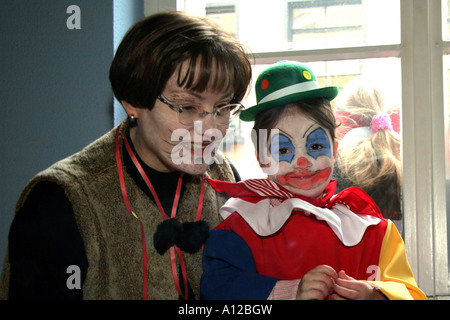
290 236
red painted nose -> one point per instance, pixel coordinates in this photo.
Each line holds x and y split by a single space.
302 162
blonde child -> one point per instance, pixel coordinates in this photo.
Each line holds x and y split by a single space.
369 148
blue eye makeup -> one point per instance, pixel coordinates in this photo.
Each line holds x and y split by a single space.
282 148
318 144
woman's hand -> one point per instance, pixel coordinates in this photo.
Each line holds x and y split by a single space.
317 283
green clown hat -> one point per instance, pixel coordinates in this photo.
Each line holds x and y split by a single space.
285 82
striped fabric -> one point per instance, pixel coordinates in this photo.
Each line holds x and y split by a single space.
267 188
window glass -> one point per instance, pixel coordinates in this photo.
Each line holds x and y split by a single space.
225 15
326 23
446 20
266 25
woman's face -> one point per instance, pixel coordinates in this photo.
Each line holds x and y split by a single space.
303 152
167 145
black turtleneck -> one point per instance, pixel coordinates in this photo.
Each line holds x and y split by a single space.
44 238
165 183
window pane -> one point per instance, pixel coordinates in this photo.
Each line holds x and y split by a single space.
446 20
266 25
335 25
225 15
384 74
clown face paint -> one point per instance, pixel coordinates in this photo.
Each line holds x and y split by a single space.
282 148
318 144
304 154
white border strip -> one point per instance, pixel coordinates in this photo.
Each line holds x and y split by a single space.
299 87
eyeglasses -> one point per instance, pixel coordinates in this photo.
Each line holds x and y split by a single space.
188 114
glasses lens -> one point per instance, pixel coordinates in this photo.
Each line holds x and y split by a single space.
188 115
223 116
227 113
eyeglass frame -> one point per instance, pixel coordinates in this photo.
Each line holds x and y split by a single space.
204 113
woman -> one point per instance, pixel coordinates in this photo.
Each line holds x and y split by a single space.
126 217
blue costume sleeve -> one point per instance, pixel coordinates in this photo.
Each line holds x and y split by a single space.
229 271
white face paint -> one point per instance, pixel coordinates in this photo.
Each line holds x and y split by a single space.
304 153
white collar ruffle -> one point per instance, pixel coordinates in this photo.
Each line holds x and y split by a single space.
266 219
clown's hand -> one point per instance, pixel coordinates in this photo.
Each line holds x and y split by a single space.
348 288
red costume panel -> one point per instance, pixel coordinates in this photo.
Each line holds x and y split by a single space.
305 242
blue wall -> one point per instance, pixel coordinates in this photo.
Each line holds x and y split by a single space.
54 90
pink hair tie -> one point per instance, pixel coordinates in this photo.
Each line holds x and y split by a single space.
381 121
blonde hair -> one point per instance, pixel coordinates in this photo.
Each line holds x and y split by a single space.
373 164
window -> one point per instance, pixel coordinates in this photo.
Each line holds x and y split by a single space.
327 23
225 15
405 46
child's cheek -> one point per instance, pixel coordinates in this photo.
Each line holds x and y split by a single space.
281 169
284 168
324 162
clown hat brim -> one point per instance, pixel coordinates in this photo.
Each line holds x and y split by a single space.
326 92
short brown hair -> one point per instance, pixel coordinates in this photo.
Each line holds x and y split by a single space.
155 47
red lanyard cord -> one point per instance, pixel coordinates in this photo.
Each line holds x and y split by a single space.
127 204
173 213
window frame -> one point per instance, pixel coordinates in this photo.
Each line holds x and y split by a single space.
424 133
424 138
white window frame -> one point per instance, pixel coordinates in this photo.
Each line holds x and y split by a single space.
424 109
424 133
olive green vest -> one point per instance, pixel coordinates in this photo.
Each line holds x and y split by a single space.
112 236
